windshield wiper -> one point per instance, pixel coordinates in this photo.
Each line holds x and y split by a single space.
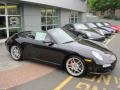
68 42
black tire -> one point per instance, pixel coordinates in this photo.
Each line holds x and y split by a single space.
75 66
16 52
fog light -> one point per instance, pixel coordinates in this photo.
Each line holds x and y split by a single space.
88 60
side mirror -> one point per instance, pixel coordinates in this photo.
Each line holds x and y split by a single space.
49 43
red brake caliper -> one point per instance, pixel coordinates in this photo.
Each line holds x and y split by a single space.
71 63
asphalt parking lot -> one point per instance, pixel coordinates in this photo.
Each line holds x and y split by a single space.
29 75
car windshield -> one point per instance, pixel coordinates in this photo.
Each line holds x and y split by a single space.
71 34
91 25
60 36
99 24
106 24
80 26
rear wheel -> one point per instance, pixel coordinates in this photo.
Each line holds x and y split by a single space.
16 53
75 66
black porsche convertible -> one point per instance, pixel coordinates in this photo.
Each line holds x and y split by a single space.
55 46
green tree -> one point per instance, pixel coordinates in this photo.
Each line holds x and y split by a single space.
104 5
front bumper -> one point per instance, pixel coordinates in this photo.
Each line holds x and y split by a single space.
99 69
108 35
98 39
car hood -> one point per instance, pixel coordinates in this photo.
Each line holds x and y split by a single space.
92 34
117 26
85 47
99 31
105 31
108 29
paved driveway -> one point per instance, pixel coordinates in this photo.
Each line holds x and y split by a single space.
14 73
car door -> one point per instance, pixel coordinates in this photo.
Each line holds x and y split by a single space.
42 51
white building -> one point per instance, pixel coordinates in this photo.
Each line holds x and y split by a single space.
27 15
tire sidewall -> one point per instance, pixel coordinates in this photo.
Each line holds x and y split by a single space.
83 62
19 50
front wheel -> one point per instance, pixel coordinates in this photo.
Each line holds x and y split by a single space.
16 53
75 66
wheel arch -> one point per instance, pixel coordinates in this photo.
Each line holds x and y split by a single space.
17 44
67 56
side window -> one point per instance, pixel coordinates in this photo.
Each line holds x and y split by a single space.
65 27
27 35
70 27
30 36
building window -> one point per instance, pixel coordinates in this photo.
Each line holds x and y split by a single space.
13 9
14 30
14 18
2 22
10 19
14 21
74 17
3 33
3 30
49 18
2 9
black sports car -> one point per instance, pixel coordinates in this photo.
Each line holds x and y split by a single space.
57 47
99 29
100 25
83 31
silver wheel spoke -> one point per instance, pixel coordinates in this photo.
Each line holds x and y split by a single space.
75 66
71 68
15 52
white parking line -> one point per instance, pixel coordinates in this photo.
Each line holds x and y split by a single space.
109 40
62 85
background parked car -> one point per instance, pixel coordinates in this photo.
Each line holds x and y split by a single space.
115 27
100 30
100 25
79 38
84 31
108 26
94 27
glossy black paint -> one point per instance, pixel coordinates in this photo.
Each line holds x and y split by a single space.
57 53
83 32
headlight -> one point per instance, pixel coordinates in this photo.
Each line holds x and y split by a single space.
97 55
101 31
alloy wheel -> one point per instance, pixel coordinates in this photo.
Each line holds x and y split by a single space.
15 52
75 66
